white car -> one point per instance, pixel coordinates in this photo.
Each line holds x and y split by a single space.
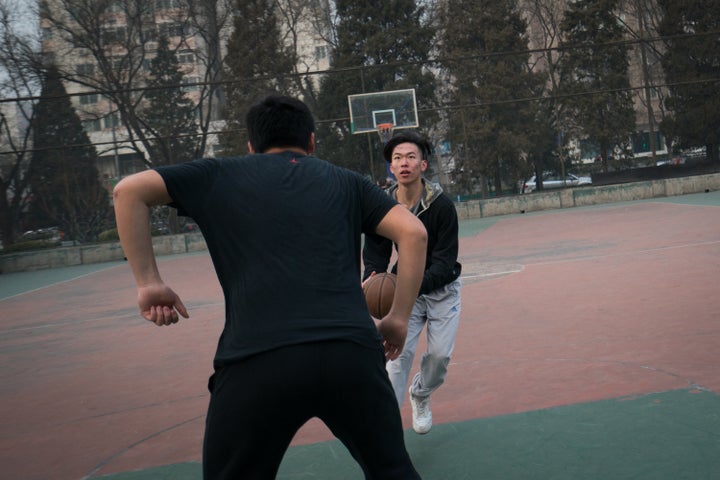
555 180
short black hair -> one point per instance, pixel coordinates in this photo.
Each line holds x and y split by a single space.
407 136
279 121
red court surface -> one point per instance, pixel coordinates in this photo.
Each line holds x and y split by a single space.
559 308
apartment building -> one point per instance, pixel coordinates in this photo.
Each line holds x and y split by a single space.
645 72
107 48
110 50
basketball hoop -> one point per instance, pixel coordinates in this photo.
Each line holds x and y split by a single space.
385 130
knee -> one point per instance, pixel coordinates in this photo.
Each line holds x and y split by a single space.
441 359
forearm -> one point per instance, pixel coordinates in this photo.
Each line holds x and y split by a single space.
410 235
410 268
133 222
133 197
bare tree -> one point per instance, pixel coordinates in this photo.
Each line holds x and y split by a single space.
551 127
119 38
641 18
304 19
20 83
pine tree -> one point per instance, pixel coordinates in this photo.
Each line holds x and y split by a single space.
692 69
594 75
485 44
257 64
170 115
64 181
381 46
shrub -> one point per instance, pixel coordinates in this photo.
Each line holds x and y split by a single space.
28 245
108 235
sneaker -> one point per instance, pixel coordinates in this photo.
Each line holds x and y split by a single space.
422 416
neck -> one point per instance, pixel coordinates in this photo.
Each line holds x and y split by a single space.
409 195
274 150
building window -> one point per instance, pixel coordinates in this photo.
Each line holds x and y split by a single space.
87 69
88 99
114 35
172 30
92 125
186 57
641 142
320 52
112 120
191 84
168 4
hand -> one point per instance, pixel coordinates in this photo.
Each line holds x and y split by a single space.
372 274
393 331
160 305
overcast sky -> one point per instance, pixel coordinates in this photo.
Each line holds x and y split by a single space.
23 11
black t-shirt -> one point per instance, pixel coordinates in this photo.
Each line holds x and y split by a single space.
284 234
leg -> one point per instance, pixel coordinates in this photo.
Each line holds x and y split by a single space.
250 422
399 369
358 405
443 320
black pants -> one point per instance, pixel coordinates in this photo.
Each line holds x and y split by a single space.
258 405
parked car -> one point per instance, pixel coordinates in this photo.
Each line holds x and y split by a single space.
555 180
49 234
190 227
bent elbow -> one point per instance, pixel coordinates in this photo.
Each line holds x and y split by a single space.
118 191
420 233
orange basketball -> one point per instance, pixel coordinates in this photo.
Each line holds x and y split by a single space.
379 291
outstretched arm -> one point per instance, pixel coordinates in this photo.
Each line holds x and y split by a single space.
133 196
403 228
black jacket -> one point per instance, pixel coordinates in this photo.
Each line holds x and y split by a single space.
437 212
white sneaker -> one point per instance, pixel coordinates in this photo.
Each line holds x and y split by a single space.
422 416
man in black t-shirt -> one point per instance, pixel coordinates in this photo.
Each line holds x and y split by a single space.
283 229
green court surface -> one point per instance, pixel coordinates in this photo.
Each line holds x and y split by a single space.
671 435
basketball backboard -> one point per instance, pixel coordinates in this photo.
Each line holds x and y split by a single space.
369 110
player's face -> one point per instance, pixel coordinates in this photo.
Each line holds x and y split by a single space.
407 163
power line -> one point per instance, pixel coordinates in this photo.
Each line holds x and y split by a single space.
346 119
331 71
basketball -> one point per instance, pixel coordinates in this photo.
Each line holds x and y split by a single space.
379 291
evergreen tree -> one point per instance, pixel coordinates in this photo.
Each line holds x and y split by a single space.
370 35
64 181
692 70
170 114
257 64
485 43
594 75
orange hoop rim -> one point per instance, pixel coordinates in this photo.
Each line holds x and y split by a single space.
384 126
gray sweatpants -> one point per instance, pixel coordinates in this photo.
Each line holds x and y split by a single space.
440 311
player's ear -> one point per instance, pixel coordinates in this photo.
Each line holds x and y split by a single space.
423 165
311 143
250 148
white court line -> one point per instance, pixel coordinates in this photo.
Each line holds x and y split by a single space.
60 282
623 254
520 268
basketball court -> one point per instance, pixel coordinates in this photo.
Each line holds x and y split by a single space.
589 348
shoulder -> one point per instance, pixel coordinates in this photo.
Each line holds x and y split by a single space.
444 200
443 209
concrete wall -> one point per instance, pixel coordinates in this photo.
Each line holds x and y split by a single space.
584 196
95 253
553 199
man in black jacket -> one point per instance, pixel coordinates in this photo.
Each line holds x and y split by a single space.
438 302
